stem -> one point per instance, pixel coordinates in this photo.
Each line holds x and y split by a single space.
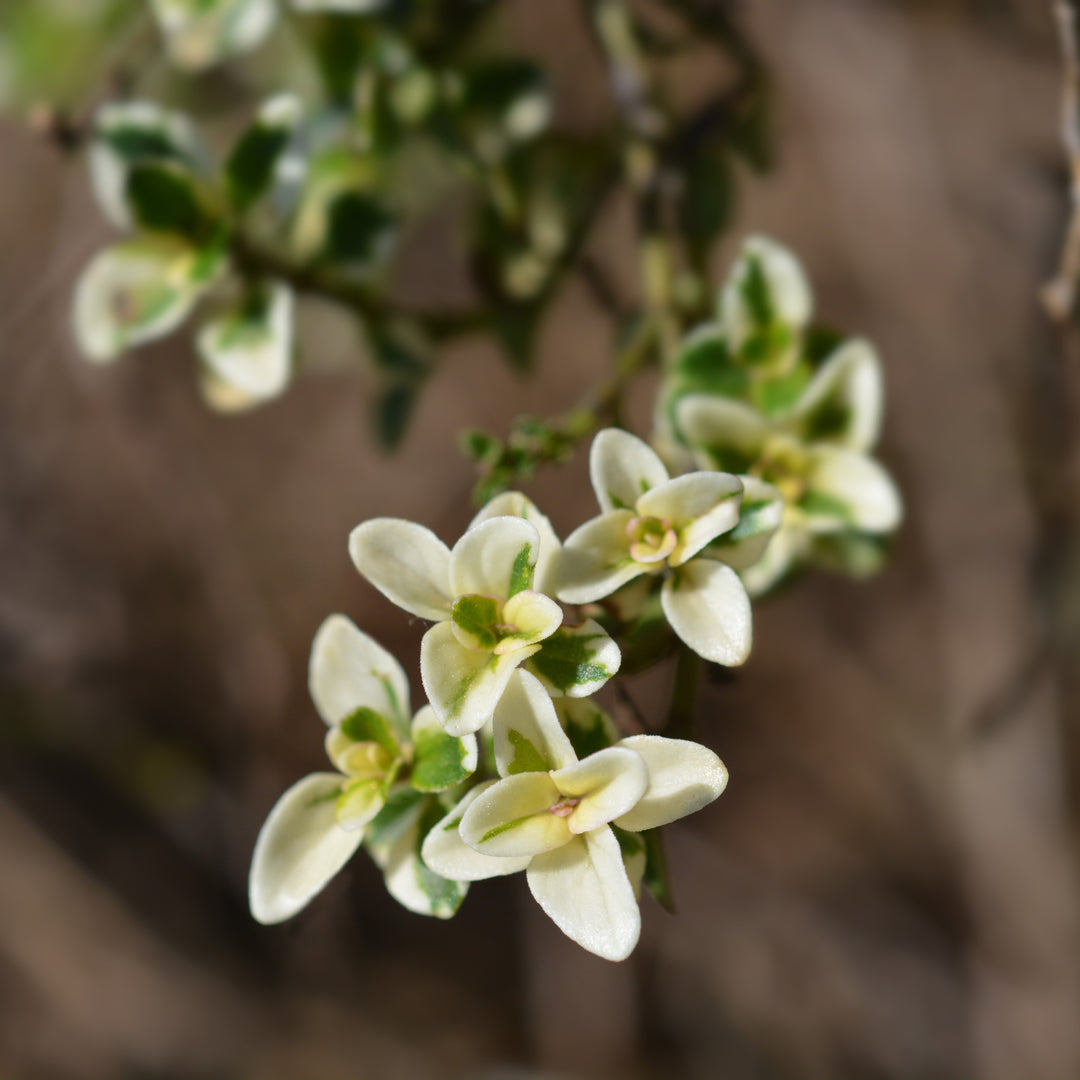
681 712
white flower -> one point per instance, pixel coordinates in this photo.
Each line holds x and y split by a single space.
652 524
815 454
488 618
551 815
362 695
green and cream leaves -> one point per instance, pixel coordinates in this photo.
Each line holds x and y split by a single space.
253 164
576 661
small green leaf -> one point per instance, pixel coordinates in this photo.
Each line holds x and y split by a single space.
819 504
400 813
587 726
444 896
393 409
357 229
778 395
477 616
252 164
568 658
164 199
366 725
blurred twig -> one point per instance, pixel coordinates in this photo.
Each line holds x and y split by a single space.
1059 295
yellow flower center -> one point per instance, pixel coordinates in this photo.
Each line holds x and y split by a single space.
651 539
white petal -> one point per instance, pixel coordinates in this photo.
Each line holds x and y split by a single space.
731 433
252 352
414 885
198 36
708 608
700 505
407 563
514 504
299 849
859 484
584 890
528 735
464 685
349 669
513 819
787 547
608 783
595 560
683 777
761 514
843 403
494 558
536 616
447 854
133 293
622 468
789 290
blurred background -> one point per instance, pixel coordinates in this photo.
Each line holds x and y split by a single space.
889 886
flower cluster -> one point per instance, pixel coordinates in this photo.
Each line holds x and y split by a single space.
570 802
764 393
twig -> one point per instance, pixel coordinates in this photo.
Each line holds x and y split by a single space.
1059 295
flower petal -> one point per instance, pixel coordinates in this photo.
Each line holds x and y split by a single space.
608 783
844 401
729 433
513 818
528 735
789 298
700 506
248 348
299 849
198 35
447 854
536 617
349 670
464 685
583 888
684 776
595 560
858 490
787 547
514 504
708 608
761 513
622 468
495 558
576 660
407 563
440 760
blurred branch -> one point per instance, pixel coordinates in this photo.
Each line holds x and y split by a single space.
1059 295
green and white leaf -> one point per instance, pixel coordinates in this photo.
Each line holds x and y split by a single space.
576 661
528 735
439 760
587 726
252 166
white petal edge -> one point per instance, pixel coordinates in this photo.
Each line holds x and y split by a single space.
526 708
608 782
862 484
512 819
514 504
464 685
684 776
622 468
299 849
483 560
852 374
716 423
447 854
700 505
707 606
595 560
349 669
407 563
583 888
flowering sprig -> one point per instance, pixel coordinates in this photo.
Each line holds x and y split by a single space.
388 771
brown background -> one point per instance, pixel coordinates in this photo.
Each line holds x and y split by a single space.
889 887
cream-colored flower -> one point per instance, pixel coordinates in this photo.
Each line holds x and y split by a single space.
816 454
362 695
551 815
651 524
488 619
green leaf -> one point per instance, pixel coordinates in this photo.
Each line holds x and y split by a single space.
477 616
657 880
707 198
341 45
393 409
859 554
366 725
252 165
357 229
164 198
440 761
819 504
443 895
778 395
403 807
